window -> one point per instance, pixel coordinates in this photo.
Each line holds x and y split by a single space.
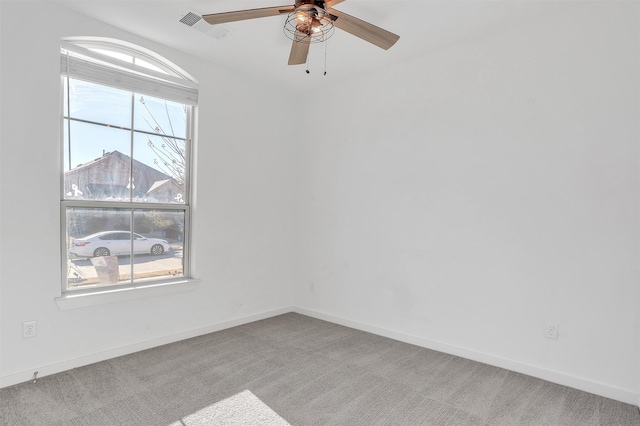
125 191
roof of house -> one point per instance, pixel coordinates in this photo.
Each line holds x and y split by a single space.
157 184
125 159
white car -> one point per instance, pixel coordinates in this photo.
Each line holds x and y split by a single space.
114 243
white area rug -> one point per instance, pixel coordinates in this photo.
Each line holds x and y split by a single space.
242 409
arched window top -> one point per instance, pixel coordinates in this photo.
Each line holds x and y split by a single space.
124 65
130 53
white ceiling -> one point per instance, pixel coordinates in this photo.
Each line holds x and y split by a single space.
260 48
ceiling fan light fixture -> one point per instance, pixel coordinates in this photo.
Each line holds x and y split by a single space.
301 17
309 24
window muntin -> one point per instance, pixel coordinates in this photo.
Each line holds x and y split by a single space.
127 176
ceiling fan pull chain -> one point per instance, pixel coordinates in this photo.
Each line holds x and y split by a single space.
325 57
308 72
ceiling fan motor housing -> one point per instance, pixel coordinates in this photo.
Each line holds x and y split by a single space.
319 3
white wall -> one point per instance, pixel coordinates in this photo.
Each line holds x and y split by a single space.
472 195
464 199
244 201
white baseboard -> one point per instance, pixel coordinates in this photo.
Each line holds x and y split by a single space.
58 367
596 388
607 391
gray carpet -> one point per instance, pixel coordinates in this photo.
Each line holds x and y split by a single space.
308 372
238 410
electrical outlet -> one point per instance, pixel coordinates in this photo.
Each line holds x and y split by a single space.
29 329
551 331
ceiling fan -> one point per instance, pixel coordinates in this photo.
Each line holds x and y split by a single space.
311 21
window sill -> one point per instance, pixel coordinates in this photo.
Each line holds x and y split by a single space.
83 300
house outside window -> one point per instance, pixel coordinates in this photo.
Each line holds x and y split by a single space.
126 183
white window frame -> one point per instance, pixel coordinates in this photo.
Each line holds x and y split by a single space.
79 60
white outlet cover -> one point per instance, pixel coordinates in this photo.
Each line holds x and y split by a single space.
29 329
551 331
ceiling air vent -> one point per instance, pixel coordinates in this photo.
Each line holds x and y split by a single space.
190 19
195 21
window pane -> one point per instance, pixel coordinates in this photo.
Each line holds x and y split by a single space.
95 237
160 169
158 244
148 65
99 244
160 116
101 104
121 56
99 164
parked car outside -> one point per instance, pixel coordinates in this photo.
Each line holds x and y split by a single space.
115 243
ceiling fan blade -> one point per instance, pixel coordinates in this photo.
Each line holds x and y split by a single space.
332 3
241 15
364 30
299 52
